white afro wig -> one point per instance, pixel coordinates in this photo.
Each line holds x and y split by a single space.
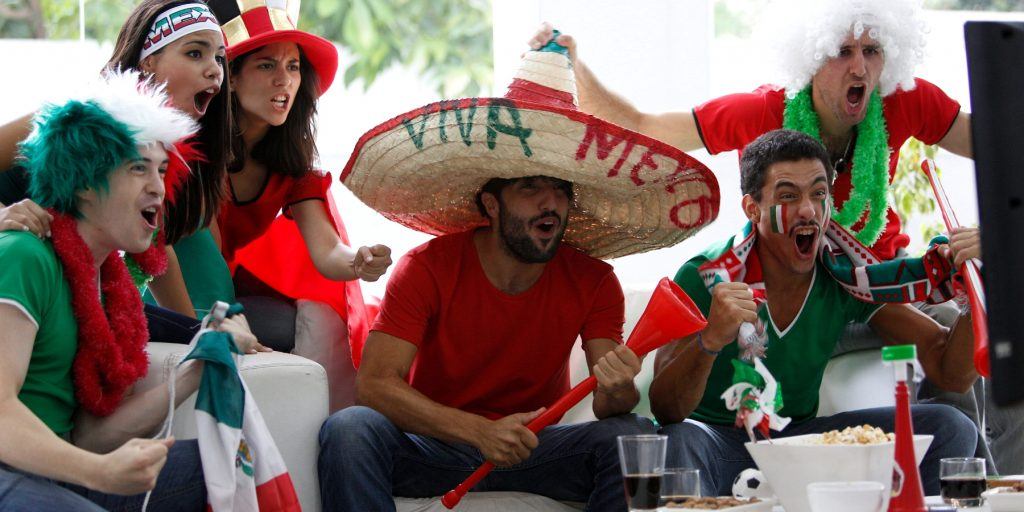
806 33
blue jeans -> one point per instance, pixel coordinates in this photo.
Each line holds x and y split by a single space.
168 326
180 487
365 460
718 451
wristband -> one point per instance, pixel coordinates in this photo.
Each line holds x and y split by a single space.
700 343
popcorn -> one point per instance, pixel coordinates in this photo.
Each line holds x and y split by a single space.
861 434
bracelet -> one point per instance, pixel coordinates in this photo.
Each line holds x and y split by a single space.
700 343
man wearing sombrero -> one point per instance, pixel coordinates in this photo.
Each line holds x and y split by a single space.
475 329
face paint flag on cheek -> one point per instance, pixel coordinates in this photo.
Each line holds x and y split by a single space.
778 218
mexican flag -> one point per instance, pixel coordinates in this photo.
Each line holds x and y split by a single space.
241 464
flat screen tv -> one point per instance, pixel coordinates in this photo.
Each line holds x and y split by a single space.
995 64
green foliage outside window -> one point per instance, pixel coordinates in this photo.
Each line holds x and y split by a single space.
911 194
448 42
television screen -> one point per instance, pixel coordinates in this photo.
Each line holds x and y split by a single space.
995 64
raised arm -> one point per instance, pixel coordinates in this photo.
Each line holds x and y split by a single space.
958 139
332 258
381 384
947 355
682 367
676 128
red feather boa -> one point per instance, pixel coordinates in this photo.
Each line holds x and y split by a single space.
112 343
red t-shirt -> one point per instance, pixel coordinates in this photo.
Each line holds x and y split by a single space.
487 352
241 222
733 121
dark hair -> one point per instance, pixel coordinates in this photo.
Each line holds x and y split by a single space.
494 186
197 201
778 146
290 148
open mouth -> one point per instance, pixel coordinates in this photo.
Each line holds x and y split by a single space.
203 98
855 96
804 238
547 225
280 101
150 216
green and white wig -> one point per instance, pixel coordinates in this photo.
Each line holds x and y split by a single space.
77 144
804 34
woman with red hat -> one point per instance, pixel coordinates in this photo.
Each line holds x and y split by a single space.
279 73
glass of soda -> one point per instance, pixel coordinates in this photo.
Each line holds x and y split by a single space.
962 480
678 484
642 458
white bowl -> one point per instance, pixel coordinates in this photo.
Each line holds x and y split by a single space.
1001 499
790 463
846 496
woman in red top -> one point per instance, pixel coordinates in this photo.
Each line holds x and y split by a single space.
277 75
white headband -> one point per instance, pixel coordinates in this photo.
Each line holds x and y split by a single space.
175 23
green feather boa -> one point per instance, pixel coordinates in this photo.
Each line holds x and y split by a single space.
870 173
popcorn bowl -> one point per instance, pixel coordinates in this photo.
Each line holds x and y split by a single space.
790 463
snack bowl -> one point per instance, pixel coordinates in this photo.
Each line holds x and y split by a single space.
790 463
1004 499
762 505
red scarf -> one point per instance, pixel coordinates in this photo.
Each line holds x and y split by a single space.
112 342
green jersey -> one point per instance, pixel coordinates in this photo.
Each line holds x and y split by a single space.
796 354
32 280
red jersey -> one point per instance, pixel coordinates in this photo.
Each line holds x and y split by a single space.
484 351
926 113
241 222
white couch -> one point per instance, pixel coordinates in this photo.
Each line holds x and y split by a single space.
292 393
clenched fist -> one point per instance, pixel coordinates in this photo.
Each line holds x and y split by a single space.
371 262
731 305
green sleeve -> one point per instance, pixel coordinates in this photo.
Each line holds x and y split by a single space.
857 311
688 278
30 274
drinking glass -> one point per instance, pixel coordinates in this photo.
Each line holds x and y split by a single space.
677 484
962 480
642 458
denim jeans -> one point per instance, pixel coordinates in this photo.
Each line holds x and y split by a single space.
718 451
168 326
180 487
365 460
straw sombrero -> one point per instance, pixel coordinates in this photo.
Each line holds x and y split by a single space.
633 193
250 24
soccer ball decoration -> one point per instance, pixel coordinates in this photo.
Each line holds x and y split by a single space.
751 483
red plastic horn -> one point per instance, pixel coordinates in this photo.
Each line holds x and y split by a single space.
669 315
972 278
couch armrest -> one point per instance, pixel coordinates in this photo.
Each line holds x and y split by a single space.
291 392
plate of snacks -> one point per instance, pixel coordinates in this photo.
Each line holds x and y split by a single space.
1005 498
790 463
722 503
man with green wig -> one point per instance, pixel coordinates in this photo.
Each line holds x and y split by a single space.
71 325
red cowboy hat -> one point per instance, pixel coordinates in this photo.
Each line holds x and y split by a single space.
250 24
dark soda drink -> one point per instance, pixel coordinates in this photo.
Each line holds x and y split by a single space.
962 491
643 491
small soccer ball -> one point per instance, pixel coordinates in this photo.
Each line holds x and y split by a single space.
751 483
